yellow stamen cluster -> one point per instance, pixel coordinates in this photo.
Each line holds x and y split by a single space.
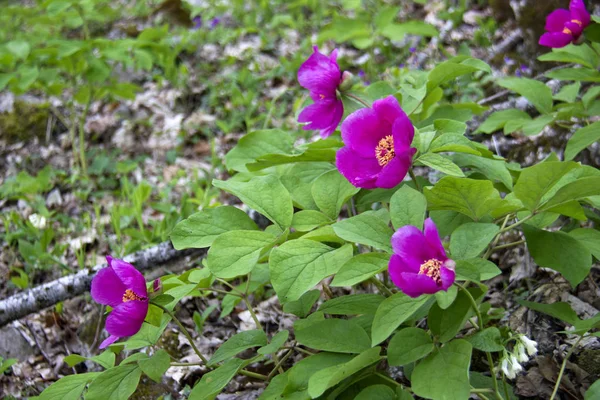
432 268
129 295
567 31
384 152
578 22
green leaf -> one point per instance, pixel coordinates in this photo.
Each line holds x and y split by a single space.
299 375
276 343
352 304
360 268
444 374
534 182
470 239
559 251
593 392
536 92
582 54
156 366
497 120
5 80
560 310
392 312
568 93
307 220
331 191
148 335
299 179
445 299
298 265
27 76
409 345
266 195
238 343
213 382
117 383
587 99
576 190
106 359
496 170
445 72
236 253
440 163
397 32
202 228
369 228
471 197
326 378
408 207
590 238
581 139
301 307
447 323
489 340
378 392
336 335
258 143
69 387
476 269
19 48
574 74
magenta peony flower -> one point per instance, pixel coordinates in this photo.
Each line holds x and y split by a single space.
419 264
565 26
322 76
377 152
122 287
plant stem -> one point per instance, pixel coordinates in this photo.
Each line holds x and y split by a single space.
253 375
480 327
301 350
382 288
279 367
507 245
414 178
519 222
562 368
185 332
388 379
220 291
254 317
230 286
82 119
361 101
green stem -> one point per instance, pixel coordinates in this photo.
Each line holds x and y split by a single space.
388 379
82 119
562 368
185 332
72 128
475 390
230 286
361 101
221 291
301 350
519 222
254 317
382 288
253 375
278 366
507 245
414 178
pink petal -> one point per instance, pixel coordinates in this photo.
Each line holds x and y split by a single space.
556 20
320 74
555 40
388 110
129 275
362 132
579 12
410 244
403 132
575 29
126 319
448 277
394 172
107 288
336 117
414 285
108 341
359 171
433 238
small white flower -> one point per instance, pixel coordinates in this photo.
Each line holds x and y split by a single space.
530 345
520 351
504 366
515 364
38 221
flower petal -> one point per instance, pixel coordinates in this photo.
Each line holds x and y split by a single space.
403 132
129 275
126 319
397 266
395 171
336 117
448 277
388 110
579 12
107 288
362 131
324 115
433 238
108 341
410 244
320 74
555 40
556 20
361 172
414 285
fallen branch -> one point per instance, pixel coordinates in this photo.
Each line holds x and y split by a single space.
48 294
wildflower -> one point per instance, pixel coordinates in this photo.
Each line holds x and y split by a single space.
508 60
321 75
529 344
565 26
121 286
197 20
377 150
419 264
412 49
520 352
510 366
214 22
38 221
